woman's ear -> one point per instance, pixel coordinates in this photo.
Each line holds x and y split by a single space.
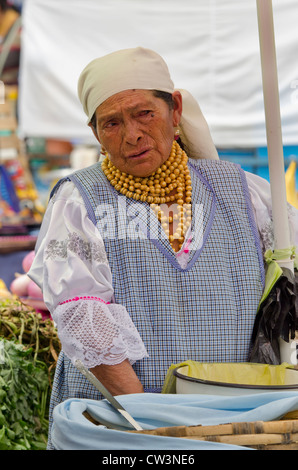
177 107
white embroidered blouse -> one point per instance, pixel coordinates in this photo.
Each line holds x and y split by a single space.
72 268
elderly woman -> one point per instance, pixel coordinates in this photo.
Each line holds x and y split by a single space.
154 255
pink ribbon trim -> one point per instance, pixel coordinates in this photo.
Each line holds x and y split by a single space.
85 297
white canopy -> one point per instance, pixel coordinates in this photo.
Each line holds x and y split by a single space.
211 47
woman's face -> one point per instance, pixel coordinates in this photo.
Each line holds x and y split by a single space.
137 130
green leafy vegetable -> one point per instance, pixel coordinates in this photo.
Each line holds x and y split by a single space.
29 348
24 387
22 323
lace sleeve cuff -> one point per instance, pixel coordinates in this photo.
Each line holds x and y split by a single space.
97 332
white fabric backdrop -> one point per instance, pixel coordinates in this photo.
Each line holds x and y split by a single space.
211 47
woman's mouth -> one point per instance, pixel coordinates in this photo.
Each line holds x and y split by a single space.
139 154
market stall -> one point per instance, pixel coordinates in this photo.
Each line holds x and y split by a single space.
47 143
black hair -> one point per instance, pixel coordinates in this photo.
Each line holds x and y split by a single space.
165 96
93 121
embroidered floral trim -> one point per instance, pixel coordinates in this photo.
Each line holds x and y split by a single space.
85 297
267 235
90 251
266 227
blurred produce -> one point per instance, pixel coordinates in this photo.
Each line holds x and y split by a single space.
24 389
29 292
29 349
21 323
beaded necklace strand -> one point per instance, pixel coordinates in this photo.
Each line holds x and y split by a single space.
168 191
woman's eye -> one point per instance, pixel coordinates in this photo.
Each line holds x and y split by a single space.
110 124
144 113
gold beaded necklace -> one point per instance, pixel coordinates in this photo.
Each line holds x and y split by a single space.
168 191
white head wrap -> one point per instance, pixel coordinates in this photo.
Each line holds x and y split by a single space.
143 69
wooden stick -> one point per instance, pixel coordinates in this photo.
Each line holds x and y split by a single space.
271 435
246 428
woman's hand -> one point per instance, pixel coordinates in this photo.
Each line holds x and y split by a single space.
119 379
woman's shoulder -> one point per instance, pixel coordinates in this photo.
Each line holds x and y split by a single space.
65 190
66 187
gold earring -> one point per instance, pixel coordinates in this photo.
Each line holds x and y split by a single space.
103 151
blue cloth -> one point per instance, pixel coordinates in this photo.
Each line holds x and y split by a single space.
72 431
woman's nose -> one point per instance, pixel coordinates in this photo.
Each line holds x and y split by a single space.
132 132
